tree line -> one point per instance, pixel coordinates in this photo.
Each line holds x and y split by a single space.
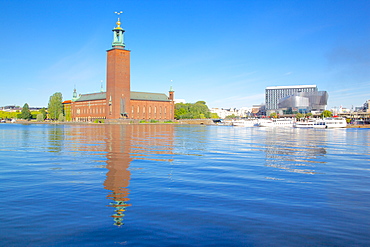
197 110
54 111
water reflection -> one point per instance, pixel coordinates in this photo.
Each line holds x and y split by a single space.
295 150
56 136
122 144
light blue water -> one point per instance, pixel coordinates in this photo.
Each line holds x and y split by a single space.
167 185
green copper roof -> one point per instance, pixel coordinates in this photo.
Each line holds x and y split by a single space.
149 96
133 96
92 96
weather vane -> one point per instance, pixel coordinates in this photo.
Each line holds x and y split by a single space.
118 13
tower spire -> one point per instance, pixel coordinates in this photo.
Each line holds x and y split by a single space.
74 94
118 38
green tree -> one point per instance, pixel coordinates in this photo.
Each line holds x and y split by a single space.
26 113
39 117
61 117
299 116
55 106
192 111
43 112
273 115
326 113
214 115
231 116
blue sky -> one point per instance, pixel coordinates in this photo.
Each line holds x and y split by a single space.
225 52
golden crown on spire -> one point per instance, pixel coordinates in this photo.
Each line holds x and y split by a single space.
118 23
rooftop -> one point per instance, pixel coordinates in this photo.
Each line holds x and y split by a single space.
133 96
297 86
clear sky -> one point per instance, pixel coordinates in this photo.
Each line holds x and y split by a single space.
225 52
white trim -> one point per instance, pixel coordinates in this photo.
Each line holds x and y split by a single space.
299 86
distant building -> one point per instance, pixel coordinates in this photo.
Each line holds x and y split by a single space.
274 94
364 108
224 112
119 102
367 106
258 110
304 102
11 108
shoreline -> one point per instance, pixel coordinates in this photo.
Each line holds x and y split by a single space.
188 122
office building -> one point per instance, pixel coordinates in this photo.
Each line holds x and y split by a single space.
274 94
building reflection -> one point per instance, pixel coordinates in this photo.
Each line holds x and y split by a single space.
294 150
118 148
122 144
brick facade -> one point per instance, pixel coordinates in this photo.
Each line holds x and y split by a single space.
118 83
118 101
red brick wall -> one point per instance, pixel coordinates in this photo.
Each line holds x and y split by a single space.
145 109
118 83
87 111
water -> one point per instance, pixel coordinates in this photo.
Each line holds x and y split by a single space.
167 185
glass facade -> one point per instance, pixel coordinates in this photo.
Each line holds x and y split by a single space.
305 101
274 94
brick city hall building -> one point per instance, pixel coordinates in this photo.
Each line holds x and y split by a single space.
119 102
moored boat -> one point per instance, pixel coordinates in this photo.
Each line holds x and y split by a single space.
335 122
245 122
277 122
311 123
322 123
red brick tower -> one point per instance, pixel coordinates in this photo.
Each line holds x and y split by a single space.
118 76
171 95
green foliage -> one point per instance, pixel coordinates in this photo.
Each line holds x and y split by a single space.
299 115
99 121
40 117
273 115
309 114
55 106
192 111
8 115
26 113
231 116
143 121
43 112
214 115
326 113
168 121
153 121
61 117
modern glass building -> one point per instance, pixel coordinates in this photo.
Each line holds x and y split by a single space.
305 102
274 94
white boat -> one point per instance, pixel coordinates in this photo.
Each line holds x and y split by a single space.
277 122
311 123
245 123
322 123
335 122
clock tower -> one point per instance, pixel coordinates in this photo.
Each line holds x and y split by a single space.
118 76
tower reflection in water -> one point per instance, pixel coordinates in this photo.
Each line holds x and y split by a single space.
125 143
121 144
118 145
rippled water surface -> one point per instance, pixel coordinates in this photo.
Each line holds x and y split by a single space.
167 185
